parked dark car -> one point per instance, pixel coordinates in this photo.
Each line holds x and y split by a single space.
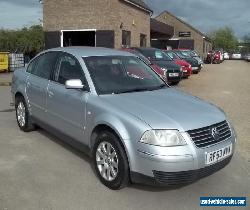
195 54
186 67
196 66
157 57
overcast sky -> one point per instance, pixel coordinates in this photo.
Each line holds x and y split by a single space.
205 15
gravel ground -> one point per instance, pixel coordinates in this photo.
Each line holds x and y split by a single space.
38 171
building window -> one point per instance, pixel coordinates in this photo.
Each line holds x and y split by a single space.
126 38
143 40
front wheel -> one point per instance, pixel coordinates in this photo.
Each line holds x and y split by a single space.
110 161
22 115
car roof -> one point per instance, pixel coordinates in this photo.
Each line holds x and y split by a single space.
91 51
145 48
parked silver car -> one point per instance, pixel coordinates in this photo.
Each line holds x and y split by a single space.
114 106
236 56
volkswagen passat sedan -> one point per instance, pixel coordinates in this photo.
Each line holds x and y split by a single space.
114 106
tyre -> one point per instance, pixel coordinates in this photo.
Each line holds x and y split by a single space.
22 115
110 161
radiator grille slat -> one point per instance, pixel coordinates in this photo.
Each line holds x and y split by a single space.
204 137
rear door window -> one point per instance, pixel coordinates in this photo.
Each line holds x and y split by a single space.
44 65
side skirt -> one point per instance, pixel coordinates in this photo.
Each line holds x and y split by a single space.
65 138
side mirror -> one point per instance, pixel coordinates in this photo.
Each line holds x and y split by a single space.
74 84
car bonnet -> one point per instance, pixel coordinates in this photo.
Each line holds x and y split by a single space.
167 109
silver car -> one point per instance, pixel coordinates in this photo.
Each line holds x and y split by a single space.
236 56
113 106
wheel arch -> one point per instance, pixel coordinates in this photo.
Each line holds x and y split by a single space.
17 95
106 126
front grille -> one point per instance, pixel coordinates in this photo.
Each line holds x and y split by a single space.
173 71
203 137
187 177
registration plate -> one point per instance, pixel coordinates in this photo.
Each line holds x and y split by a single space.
217 155
173 74
195 68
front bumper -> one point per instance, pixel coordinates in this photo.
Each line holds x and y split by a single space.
187 72
196 68
174 165
162 178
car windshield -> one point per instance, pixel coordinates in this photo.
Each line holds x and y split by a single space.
187 53
172 55
182 54
122 74
156 55
194 53
142 57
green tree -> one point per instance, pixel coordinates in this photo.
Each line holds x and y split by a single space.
246 43
224 38
29 41
246 39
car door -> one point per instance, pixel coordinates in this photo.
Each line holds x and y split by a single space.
40 70
66 107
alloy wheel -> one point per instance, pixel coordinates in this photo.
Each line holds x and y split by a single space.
21 114
107 161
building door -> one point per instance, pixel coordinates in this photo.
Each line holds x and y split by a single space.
78 38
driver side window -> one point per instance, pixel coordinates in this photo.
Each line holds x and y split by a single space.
69 68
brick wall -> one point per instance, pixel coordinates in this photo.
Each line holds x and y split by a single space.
135 20
179 26
97 14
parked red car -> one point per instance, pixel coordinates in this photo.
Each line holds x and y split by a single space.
186 67
156 68
213 57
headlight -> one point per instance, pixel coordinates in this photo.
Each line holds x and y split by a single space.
163 138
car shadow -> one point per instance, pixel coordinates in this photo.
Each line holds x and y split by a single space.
64 144
7 110
157 188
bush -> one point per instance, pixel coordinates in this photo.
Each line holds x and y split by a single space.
29 41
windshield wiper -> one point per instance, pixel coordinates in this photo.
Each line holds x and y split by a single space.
142 89
134 90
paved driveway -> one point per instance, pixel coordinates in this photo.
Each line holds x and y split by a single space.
38 171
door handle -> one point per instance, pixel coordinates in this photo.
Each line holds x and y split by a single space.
51 94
